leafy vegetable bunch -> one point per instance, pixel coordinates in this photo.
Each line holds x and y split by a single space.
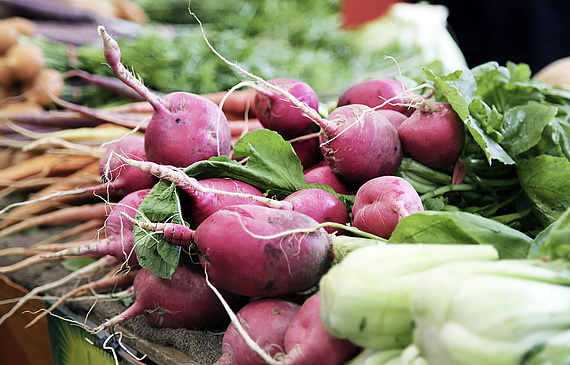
516 152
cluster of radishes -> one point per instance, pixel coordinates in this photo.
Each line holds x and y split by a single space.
256 255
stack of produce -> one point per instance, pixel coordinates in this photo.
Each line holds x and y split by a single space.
320 232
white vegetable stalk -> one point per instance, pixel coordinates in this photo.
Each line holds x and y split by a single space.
501 313
365 298
421 28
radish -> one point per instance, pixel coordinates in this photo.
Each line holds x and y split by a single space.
320 205
123 177
186 301
278 114
435 136
360 144
184 128
119 241
307 342
324 175
266 322
202 199
306 147
394 117
256 251
281 262
386 92
382 202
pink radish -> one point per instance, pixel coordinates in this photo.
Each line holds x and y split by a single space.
324 175
283 262
121 176
186 301
278 114
205 201
376 92
256 251
394 117
360 144
119 233
266 322
434 137
307 342
306 147
184 128
382 202
320 205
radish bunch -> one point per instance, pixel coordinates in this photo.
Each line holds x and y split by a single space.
244 245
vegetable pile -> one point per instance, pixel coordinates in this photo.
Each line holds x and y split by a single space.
413 220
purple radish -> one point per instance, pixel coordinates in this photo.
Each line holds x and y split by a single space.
394 117
119 241
307 342
306 147
202 204
360 144
433 137
277 113
123 177
376 92
324 175
185 128
382 202
266 322
257 254
320 205
186 301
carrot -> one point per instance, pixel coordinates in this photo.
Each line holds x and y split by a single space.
237 127
143 107
25 211
32 260
86 231
46 165
60 217
237 102
36 249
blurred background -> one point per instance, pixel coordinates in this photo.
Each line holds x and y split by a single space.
330 44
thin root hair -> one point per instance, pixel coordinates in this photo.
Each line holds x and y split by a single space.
237 323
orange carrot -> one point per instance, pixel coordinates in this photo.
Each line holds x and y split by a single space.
90 172
61 217
47 165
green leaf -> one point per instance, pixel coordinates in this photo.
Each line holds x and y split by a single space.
489 117
552 243
461 228
272 157
523 127
459 88
545 181
272 167
154 253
